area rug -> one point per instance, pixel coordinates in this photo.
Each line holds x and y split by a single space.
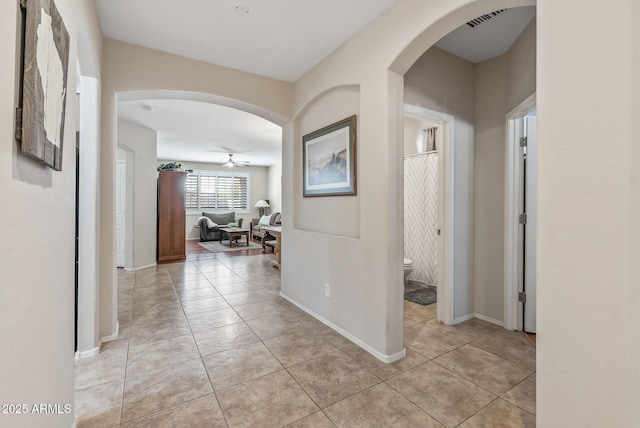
221 247
424 296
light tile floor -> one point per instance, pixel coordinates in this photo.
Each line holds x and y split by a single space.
209 343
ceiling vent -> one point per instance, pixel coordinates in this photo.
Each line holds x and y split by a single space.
484 18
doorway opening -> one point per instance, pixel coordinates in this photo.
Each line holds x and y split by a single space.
431 254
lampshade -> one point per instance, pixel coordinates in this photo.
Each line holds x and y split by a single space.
262 204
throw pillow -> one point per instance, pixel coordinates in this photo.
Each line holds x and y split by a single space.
264 220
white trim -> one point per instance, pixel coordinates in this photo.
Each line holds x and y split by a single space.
513 308
379 355
480 317
446 255
463 318
193 239
487 319
75 422
130 269
80 355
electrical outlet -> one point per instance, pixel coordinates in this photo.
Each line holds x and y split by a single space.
327 290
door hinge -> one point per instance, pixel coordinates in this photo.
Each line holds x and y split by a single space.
18 124
522 297
522 218
523 142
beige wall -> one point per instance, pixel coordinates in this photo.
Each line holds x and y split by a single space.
140 144
502 83
274 187
521 67
491 94
313 214
37 247
258 183
588 298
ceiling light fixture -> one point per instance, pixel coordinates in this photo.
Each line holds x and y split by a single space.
232 163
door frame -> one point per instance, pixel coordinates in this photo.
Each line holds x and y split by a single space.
513 311
122 237
445 209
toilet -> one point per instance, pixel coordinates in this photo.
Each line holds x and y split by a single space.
408 267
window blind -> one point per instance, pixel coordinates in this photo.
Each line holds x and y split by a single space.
217 191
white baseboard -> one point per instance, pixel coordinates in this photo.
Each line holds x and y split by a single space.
491 320
79 355
88 354
463 318
133 269
197 238
479 316
379 355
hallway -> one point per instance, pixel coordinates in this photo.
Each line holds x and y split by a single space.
209 343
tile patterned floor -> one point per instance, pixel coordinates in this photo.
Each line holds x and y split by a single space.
209 343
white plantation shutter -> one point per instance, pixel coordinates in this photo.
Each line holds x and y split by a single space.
240 193
207 192
191 197
217 191
225 193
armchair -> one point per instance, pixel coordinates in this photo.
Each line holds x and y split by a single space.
256 230
214 233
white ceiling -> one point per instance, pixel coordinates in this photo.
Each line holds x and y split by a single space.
275 39
491 38
202 132
281 39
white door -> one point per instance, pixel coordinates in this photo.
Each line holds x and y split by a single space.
120 210
530 209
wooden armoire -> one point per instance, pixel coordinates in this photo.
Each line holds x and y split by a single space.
171 216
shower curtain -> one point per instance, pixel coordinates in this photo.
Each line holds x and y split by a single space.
421 216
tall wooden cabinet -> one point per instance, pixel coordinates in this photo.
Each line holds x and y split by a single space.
171 216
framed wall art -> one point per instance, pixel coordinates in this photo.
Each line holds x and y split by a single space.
41 115
329 160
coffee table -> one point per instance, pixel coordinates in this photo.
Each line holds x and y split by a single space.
234 232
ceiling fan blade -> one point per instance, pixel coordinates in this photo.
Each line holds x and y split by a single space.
231 163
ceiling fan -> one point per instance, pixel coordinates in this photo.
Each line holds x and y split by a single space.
231 163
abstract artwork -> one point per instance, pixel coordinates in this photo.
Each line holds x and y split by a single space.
329 160
44 82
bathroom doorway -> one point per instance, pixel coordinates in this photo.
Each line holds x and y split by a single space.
428 161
